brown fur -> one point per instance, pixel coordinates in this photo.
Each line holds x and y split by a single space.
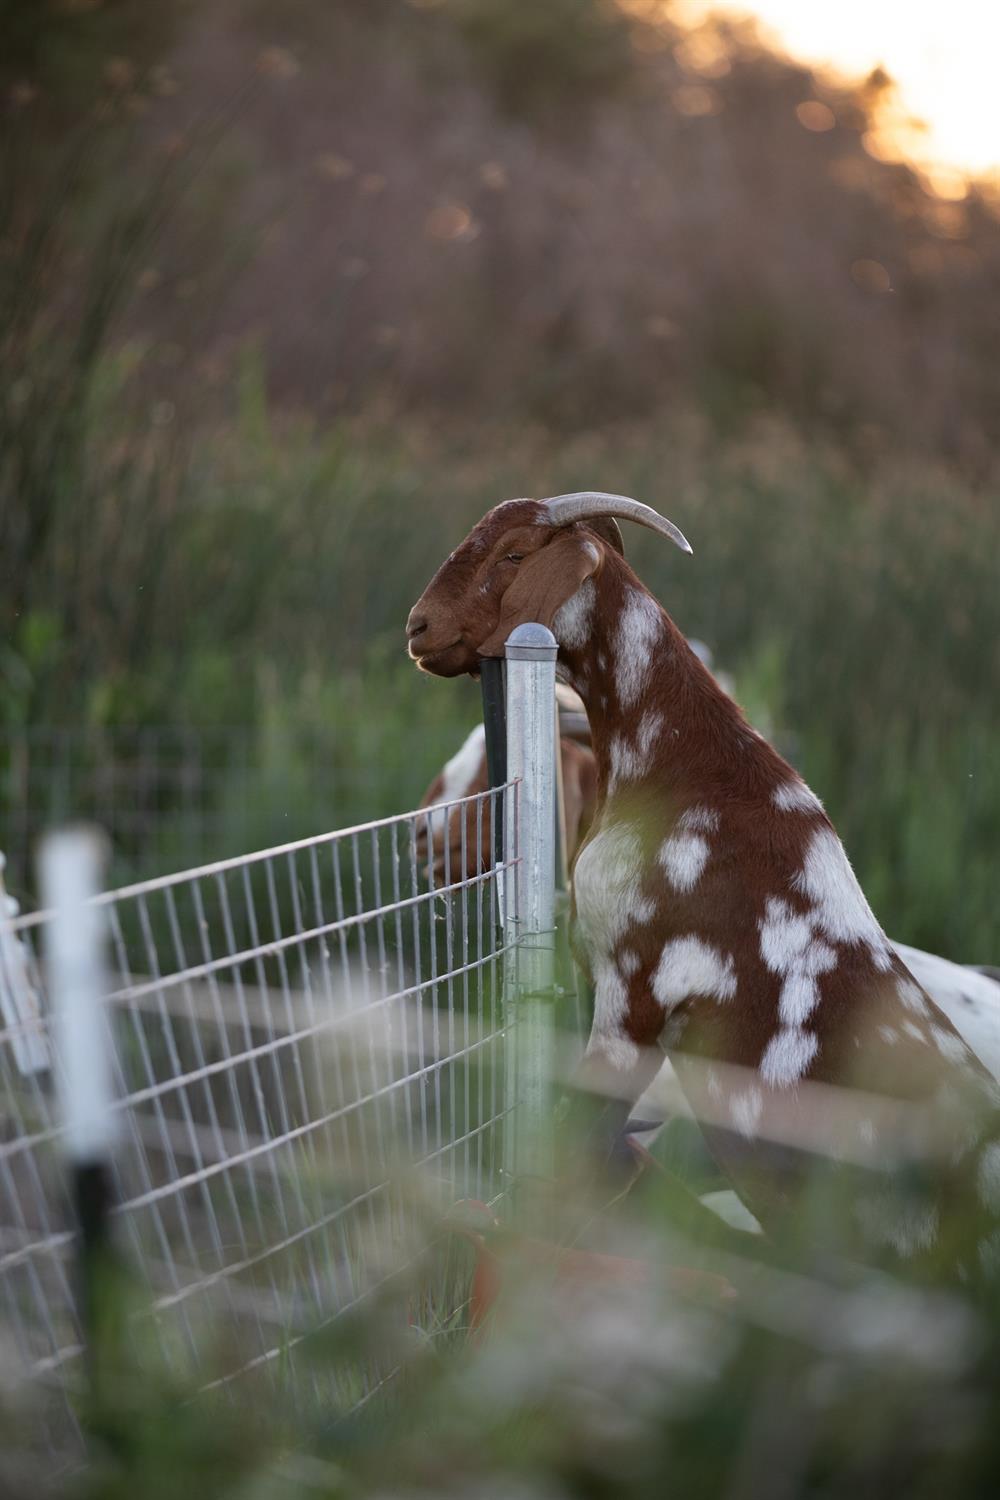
579 786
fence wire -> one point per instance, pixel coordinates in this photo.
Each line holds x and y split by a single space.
295 1032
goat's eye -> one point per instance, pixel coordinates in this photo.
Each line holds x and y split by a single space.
514 557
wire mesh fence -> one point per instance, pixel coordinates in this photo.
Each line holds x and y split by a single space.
295 1033
168 795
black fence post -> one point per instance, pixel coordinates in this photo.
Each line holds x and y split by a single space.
492 681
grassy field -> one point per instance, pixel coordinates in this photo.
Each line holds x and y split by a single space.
262 577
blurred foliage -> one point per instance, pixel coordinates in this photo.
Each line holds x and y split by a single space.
546 61
719 1362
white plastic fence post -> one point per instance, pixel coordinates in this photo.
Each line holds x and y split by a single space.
71 869
529 823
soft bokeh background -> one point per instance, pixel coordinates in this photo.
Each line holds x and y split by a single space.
289 293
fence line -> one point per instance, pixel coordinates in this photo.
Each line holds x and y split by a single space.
295 1032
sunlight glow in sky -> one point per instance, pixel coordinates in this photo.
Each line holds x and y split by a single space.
944 57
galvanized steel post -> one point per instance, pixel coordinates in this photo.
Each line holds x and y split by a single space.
530 902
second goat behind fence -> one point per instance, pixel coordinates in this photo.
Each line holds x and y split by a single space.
451 843
716 910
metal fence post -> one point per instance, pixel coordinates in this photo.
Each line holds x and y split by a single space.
530 903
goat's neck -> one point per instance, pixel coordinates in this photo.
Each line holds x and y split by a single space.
656 713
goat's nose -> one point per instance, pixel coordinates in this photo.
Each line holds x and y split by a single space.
415 625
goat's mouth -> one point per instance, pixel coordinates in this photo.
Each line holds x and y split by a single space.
443 661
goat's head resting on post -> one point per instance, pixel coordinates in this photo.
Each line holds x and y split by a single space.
523 561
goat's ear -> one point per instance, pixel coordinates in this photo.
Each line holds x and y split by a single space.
543 584
608 529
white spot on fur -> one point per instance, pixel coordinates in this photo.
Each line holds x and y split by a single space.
690 967
889 1035
745 1111
950 1045
988 1177
459 774
628 962
714 1085
649 727
795 796
840 906
640 626
790 947
699 820
610 1010
916 1032
912 996
683 857
629 762
572 623
625 762
607 884
788 1056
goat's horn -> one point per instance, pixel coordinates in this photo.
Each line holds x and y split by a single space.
590 504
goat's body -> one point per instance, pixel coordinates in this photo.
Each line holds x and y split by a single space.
716 911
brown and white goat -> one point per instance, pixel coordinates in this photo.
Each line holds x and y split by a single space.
715 908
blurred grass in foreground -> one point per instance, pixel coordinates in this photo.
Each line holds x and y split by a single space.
630 1349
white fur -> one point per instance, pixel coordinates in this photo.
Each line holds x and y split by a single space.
626 764
458 775
912 996
640 626
573 622
607 882
460 771
629 762
607 1034
699 820
683 857
787 1056
790 947
950 1045
889 1035
840 906
795 796
690 967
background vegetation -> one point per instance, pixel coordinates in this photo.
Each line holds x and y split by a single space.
289 294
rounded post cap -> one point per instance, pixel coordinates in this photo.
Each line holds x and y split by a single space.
531 642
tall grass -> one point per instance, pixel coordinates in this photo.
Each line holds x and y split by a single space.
266 582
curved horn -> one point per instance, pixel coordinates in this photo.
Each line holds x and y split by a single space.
590 504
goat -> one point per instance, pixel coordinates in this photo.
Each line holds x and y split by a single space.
470 828
715 910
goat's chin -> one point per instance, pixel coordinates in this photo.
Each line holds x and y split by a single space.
453 661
